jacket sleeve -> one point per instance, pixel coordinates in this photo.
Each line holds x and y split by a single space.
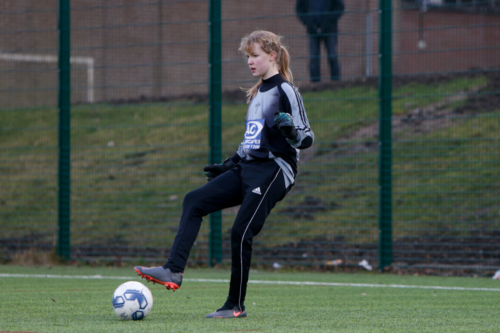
291 103
236 158
302 10
338 8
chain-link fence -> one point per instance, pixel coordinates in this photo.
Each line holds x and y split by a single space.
140 115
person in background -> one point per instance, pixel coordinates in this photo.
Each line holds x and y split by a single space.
321 20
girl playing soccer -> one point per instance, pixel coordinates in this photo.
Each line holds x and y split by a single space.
260 174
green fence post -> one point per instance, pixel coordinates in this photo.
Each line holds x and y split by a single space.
215 101
385 137
64 106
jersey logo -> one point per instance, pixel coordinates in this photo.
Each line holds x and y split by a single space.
254 127
253 134
257 191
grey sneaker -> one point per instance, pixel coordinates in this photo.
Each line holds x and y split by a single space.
160 275
228 313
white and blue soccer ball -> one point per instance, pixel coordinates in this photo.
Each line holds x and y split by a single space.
132 301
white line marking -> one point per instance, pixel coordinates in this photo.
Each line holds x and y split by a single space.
304 283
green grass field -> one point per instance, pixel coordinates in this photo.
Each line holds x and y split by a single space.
369 302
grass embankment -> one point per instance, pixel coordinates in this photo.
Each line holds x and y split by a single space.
132 165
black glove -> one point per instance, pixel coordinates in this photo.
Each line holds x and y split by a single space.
284 121
214 170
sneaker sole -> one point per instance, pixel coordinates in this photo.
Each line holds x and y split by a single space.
239 315
169 285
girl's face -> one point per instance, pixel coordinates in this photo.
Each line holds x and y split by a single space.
262 64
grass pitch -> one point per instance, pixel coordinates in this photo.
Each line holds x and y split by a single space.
370 302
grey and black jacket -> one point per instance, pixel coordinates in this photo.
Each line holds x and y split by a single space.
263 140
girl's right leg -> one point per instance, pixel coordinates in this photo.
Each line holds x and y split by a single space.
222 192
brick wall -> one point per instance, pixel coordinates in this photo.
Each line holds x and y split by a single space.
455 42
137 56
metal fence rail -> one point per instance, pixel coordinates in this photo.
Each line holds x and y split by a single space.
109 111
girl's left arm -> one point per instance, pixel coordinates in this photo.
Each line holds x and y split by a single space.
291 103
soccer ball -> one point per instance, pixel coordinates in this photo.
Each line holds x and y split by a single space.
132 301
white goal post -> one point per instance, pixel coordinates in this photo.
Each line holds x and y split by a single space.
88 61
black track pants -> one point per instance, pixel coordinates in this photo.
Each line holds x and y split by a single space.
256 186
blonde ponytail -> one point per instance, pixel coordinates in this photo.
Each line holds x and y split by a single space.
284 64
269 42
